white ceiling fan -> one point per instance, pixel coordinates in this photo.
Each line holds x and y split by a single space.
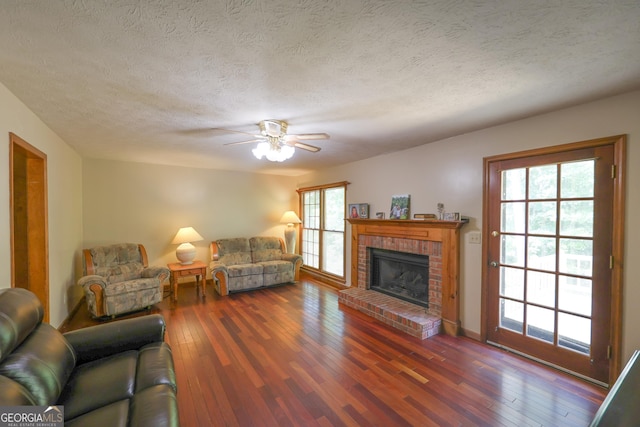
275 144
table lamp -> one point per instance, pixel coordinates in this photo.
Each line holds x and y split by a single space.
290 218
186 252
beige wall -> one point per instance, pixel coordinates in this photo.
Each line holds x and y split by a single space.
64 176
450 171
144 203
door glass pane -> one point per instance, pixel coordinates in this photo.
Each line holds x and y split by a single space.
511 315
512 250
514 184
332 252
576 218
576 257
574 332
574 295
512 282
540 323
541 253
543 182
542 217
541 288
513 218
576 179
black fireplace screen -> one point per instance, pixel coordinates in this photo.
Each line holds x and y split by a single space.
400 274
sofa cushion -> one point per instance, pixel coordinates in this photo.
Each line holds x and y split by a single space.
42 364
234 251
244 270
271 267
154 406
21 314
155 366
13 394
113 415
122 253
265 248
99 383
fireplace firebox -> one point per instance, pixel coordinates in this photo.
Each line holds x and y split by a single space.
400 274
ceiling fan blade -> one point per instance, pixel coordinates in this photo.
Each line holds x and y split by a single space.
304 146
308 136
234 131
245 142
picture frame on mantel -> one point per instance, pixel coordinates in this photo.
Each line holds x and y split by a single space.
400 206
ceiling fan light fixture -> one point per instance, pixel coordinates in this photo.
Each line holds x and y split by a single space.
274 153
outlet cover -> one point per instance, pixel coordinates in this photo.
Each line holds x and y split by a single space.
475 237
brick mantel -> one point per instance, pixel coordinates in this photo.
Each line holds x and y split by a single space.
445 232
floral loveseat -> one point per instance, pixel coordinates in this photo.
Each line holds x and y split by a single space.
247 263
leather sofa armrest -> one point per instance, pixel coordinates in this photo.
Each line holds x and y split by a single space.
92 279
96 342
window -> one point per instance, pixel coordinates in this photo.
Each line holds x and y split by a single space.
323 228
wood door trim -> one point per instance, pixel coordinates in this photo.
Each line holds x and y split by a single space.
39 264
619 147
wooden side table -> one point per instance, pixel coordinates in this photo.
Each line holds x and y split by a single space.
197 268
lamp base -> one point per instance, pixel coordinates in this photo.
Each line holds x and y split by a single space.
290 238
186 253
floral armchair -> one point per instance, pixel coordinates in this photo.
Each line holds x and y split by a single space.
118 279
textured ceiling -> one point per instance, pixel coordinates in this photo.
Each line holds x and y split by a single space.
147 81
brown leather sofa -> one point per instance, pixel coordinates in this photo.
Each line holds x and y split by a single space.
116 374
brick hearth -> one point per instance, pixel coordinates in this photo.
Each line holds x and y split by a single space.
409 318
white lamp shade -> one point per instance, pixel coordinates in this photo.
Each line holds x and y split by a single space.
290 217
186 252
186 235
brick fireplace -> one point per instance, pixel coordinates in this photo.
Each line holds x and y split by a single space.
437 239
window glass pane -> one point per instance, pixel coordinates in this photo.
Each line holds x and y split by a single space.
334 209
512 250
541 288
576 218
542 217
576 179
511 315
574 295
543 182
332 253
514 184
311 248
576 256
512 282
513 218
541 253
540 323
574 333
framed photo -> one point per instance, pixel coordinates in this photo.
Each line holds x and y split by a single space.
451 216
359 210
380 215
354 211
400 206
363 209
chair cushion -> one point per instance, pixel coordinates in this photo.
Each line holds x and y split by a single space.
120 273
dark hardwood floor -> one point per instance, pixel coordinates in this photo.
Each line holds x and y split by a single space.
291 356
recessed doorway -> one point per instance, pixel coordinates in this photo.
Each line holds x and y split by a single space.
29 233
